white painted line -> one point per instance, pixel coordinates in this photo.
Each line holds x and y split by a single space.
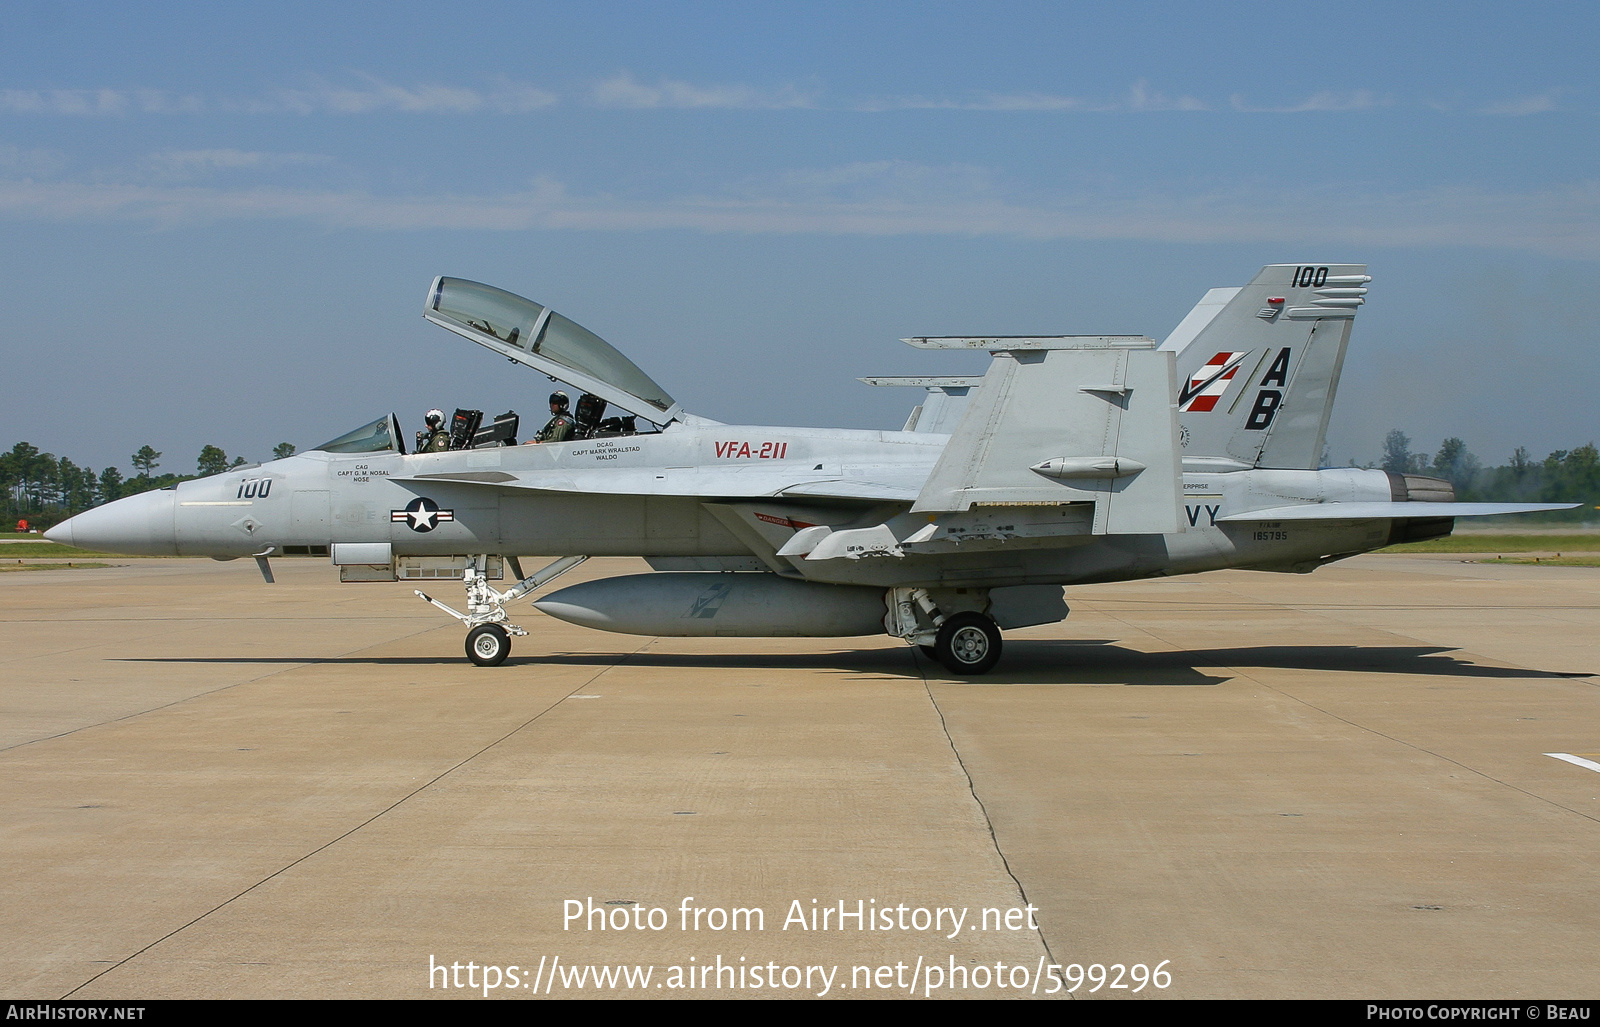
1578 761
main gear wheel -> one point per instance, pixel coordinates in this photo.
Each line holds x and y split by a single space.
968 643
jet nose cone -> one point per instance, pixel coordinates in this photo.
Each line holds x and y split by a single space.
139 525
62 532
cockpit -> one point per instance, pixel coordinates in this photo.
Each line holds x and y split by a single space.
537 337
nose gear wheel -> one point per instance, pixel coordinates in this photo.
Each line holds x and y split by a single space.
488 645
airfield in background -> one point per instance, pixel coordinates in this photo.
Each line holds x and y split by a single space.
1285 786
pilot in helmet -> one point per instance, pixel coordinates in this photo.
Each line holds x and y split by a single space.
434 439
561 424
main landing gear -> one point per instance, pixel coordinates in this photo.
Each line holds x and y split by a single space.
966 642
489 634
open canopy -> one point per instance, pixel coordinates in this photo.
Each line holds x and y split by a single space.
548 342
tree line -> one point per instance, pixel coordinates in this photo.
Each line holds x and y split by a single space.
44 489
1564 476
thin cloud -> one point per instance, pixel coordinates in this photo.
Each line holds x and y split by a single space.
166 206
368 95
373 94
885 200
71 102
510 97
624 91
1139 97
1326 100
97 102
1526 105
232 158
179 165
159 101
984 102
1142 98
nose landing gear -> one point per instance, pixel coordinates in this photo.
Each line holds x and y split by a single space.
489 634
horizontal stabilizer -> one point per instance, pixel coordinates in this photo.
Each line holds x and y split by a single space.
923 381
942 407
1020 343
1390 511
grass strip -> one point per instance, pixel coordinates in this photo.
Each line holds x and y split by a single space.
74 565
1485 543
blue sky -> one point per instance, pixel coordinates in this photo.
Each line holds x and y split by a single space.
219 225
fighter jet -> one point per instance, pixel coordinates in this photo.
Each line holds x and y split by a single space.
1073 459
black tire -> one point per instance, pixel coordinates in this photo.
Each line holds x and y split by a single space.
488 645
929 651
968 643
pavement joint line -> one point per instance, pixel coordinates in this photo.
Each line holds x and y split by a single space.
383 812
159 634
1312 609
1437 755
917 660
1398 741
1132 628
209 691
81 648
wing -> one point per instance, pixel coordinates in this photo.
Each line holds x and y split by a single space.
875 484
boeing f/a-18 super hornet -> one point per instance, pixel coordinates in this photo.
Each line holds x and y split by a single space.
1074 459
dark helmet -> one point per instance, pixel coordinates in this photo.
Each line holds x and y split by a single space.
434 419
558 399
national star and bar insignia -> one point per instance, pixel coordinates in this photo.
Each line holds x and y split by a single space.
422 514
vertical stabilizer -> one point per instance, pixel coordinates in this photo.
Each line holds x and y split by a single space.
1066 420
1258 366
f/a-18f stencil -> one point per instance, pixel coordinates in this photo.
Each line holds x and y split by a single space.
1074 459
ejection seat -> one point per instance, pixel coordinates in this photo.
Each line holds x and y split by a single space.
587 414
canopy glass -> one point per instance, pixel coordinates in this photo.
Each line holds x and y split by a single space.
382 435
545 340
